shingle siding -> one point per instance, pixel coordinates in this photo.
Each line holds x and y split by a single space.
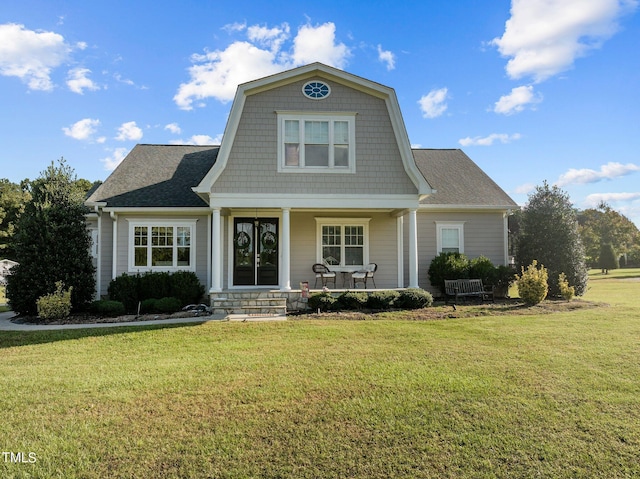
252 164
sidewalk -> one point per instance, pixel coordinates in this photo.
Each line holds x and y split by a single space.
7 325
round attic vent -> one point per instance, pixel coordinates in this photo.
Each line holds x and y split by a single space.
316 90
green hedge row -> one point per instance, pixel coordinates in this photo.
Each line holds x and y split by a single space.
378 300
133 289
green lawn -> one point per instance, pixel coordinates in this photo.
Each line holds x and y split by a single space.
554 395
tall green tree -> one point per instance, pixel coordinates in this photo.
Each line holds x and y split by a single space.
549 234
603 225
12 200
52 243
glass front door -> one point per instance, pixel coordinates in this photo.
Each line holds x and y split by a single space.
255 248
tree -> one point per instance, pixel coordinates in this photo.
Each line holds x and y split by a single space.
549 234
12 200
604 225
52 243
608 259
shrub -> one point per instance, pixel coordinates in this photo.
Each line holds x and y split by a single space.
608 258
413 298
154 285
132 289
186 286
532 283
168 305
566 291
148 306
107 308
56 305
352 300
447 266
382 299
482 268
124 288
321 301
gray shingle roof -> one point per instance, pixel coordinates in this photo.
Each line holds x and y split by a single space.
158 176
458 180
162 176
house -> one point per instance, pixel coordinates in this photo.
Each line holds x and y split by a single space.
5 269
315 166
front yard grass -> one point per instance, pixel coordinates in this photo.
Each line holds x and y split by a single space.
530 395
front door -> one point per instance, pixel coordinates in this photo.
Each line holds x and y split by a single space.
255 251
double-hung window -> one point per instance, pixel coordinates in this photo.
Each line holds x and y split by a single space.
343 242
162 246
316 142
450 237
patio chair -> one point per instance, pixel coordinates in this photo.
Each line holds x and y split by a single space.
365 274
325 274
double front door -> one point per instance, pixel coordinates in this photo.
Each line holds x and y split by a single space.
255 251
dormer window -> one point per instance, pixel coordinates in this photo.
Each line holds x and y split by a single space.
316 142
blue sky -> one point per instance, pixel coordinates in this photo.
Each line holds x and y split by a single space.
531 90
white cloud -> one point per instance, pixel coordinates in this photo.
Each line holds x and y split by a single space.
272 38
111 162
517 100
217 74
318 44
77 81
596 198
129 131
586 175
31 55
386 56
173 128
489 140
199 140
544 37
524 189
434 103
83 129
235 27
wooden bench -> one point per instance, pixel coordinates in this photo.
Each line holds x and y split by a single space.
466 288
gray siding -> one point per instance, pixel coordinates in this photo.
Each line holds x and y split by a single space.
252 165
483 235
383 248
122 259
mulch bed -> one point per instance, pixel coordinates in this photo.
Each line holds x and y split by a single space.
437 312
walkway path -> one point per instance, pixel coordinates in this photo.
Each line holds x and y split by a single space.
7 325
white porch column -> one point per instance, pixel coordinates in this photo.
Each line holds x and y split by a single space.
216 252
413 249
114 251
400 236
285 242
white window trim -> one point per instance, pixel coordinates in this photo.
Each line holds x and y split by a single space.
349 117
132 268
440 225
364 222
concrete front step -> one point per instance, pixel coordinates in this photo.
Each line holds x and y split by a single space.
251 306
